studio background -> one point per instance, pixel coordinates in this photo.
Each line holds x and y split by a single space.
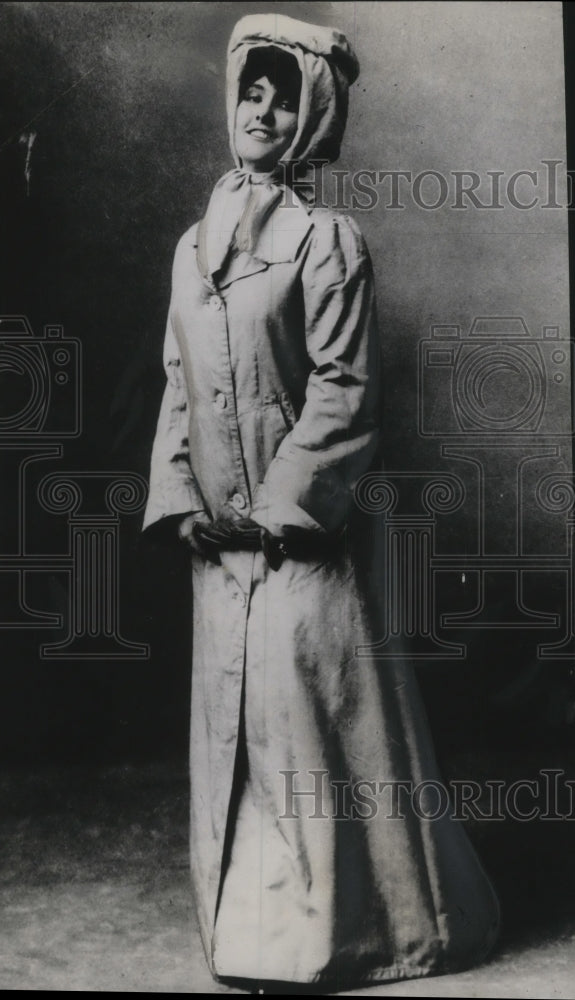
112 135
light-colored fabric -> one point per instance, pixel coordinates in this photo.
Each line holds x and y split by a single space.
241 201
328 66
239 206
283 409
272 410
174 490
279 369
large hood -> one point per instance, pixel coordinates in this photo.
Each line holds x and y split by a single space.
328 66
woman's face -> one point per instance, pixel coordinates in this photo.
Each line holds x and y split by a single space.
266 123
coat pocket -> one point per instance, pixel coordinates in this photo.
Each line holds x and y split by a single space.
262 430
287 410
276 424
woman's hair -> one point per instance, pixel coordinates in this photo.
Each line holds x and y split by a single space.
281 69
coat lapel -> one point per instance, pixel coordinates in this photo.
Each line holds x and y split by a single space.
283 234
280 240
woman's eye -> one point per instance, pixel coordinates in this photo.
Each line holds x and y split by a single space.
252 95
286 104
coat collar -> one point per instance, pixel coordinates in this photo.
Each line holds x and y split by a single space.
280 240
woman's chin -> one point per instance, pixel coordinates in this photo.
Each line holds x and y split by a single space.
257 160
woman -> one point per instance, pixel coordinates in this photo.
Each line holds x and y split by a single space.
271 415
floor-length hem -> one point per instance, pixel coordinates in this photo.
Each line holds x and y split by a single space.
347 981
323 902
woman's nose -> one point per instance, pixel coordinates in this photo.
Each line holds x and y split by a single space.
266 113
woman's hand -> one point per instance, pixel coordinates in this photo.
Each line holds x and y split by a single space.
208 538
188 532
226 533
273 549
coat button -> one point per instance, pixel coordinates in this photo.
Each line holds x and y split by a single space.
220 402
215 302
239 501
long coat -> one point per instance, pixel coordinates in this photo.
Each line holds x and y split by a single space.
272 410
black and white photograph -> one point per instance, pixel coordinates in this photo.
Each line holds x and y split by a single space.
287 509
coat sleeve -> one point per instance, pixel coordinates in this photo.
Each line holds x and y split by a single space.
174 491
309 483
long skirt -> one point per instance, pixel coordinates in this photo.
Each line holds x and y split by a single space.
323 848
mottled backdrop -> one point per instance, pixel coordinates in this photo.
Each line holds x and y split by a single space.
112 133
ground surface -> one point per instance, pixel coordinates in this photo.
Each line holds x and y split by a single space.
94 893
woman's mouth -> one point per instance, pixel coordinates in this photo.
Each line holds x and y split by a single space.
260 133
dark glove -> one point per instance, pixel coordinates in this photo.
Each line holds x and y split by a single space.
245 534
300 545
273 549
232 535
204 546
188 532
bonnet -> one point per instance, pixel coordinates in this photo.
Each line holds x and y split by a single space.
241 201
328 66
